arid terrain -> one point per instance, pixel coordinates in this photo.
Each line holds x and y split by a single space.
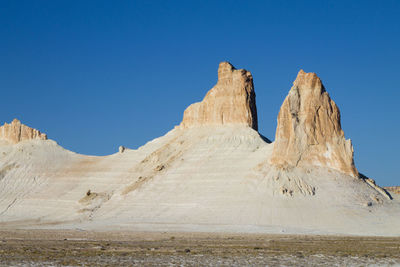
199 133
76 248
214 172
212 191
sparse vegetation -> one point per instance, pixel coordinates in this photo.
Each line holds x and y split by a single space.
52 248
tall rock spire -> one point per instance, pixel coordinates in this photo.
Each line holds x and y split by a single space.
309 130
16 132
231 101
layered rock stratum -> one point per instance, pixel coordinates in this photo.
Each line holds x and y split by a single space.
309 131
16 132
232 101
393 189
213 173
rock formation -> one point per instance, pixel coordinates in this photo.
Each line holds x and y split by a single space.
309 130
393 189
16 132
231 101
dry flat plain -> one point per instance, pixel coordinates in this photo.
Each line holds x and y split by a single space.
77 248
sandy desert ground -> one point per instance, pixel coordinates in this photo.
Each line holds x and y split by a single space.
77 248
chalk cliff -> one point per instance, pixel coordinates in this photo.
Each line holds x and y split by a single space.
16 132
204 179
309 130
231 101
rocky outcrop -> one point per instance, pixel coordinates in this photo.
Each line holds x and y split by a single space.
231 101
393 189
309 130
16 132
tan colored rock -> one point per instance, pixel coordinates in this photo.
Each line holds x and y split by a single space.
231 101
393 189
309 130
16 132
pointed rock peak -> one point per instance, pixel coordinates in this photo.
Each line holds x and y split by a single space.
225 65
232 101
16 132
309 130
308 81
224 70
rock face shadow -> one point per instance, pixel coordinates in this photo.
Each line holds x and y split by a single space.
265 139
372 183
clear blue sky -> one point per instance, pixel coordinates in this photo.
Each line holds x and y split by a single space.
94 75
